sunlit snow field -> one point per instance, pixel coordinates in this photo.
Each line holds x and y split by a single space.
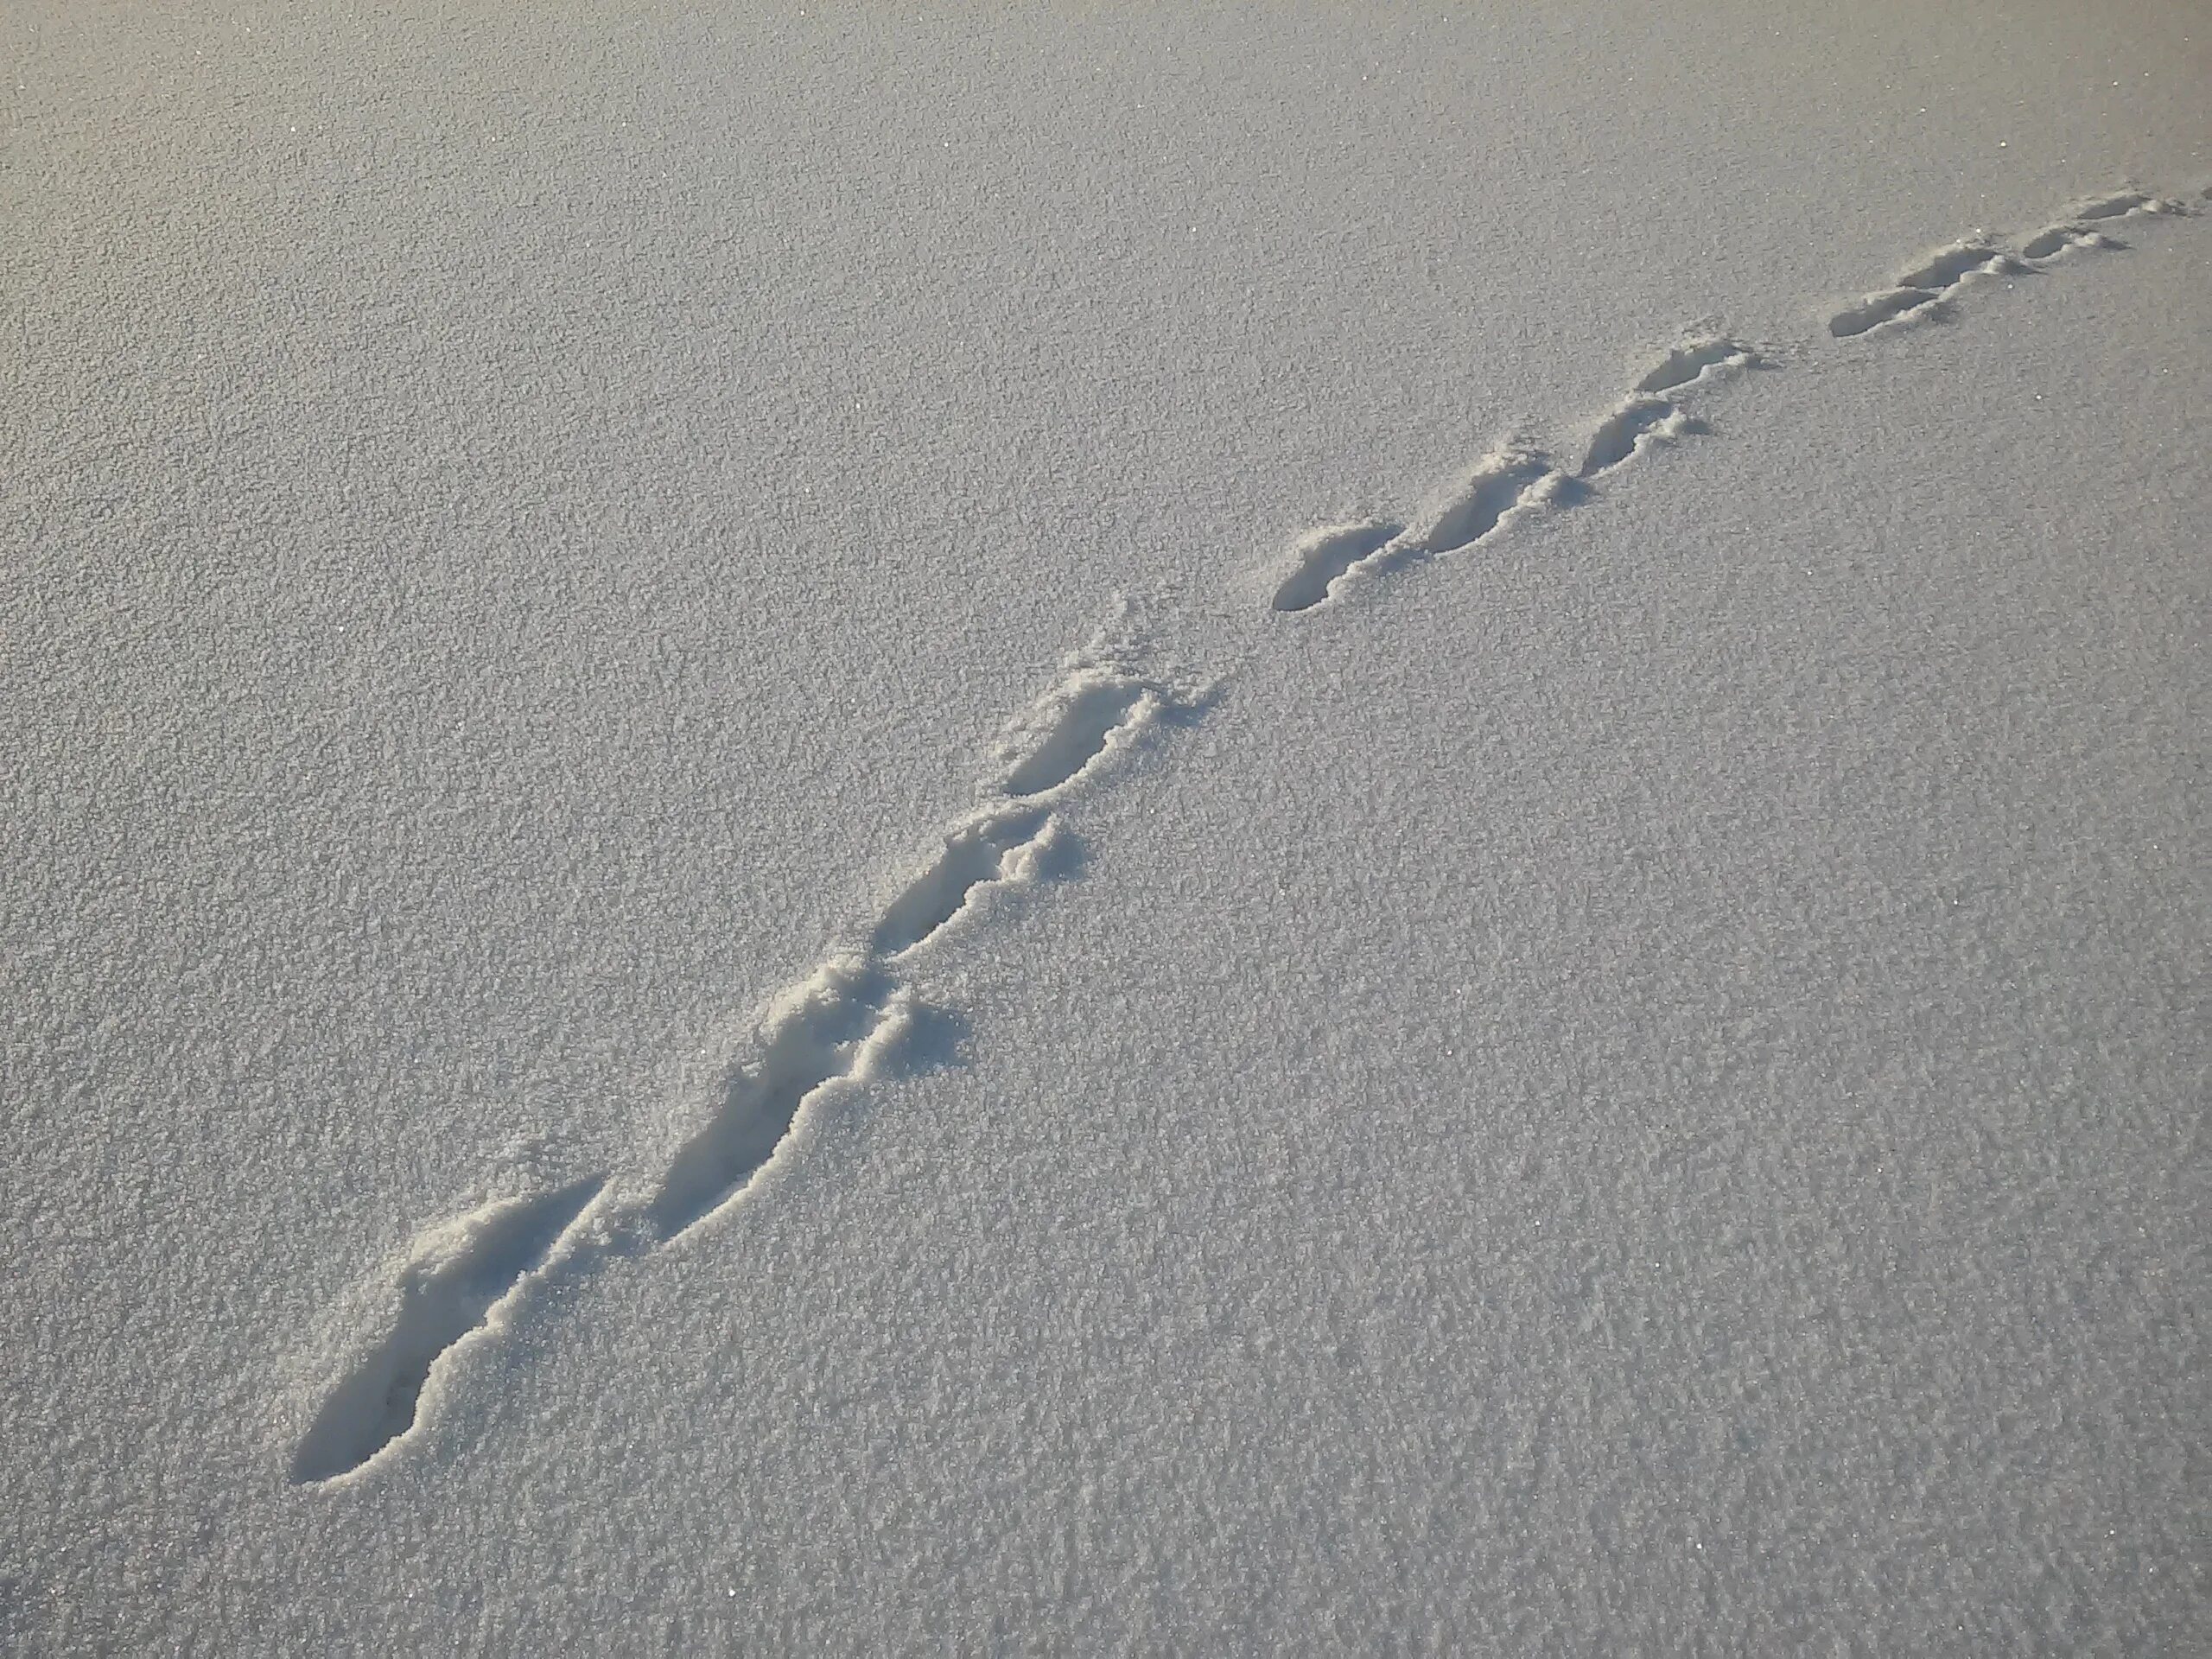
1283 828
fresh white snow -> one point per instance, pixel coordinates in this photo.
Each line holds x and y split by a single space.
1301 829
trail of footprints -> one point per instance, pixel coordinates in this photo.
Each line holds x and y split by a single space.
468 1279
841 1023
1509 480
1922 290
1329 561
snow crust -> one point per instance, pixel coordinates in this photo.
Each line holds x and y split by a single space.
1337 828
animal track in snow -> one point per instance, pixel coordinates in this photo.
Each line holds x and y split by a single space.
1460 517
1507 481
1075 725
846 1022
833 1025
1645 418
1638 422
1320 557
455 1281
843 1023
1950 266
1478 504
2062 238
2121 205
1918 292
1703 360
995 846
2076 228
1923 286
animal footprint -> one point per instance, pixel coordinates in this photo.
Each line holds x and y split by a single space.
2076 230
1320 558
834 1025
1700 360
1507 481
1081 719
1645 419
456 1280
1471 509
1919 289
2120 206
2062 238
1498 484
1638 422
1918 292
1000 846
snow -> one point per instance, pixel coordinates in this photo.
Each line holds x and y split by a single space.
1300 830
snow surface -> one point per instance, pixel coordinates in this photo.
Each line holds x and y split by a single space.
1296 828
